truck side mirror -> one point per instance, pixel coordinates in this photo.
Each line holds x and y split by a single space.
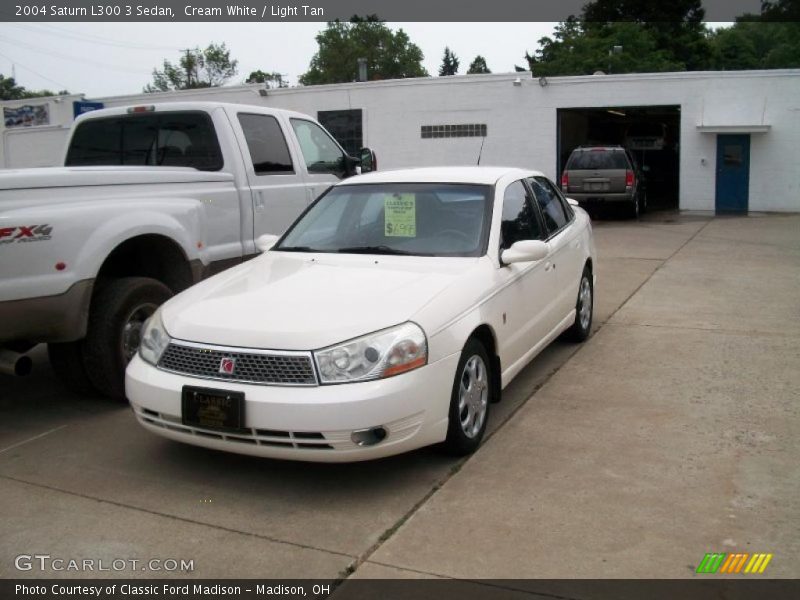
368 160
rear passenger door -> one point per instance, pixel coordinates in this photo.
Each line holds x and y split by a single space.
277 187
564 239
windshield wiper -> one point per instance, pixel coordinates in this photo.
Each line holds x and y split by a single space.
373 250
298 249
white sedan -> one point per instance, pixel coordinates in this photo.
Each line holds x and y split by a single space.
388 317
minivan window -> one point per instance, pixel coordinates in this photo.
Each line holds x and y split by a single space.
595 160
267 145
174 139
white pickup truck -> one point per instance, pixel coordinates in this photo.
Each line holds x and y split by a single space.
151 199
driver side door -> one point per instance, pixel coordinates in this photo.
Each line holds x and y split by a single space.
324 158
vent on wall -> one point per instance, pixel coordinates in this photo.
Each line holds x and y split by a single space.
451 131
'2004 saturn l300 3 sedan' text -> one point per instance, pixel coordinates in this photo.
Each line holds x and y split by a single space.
388 317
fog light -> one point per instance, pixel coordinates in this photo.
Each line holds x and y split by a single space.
368 437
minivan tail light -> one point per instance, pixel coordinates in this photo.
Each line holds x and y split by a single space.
629 180
564 181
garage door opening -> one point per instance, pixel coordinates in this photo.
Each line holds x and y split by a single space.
651 133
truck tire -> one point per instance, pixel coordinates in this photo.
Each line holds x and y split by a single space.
66 360
119 309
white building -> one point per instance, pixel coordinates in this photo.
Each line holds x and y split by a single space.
725 140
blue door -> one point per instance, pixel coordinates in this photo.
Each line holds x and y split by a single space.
733 173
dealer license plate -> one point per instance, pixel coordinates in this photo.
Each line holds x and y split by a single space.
213 409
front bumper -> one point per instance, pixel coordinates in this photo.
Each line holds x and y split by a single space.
305 423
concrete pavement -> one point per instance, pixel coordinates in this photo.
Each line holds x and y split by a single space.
667 435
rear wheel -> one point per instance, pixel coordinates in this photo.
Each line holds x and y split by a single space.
584 309
469 401
119 311
66 360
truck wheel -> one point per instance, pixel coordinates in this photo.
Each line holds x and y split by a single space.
119 309
66 360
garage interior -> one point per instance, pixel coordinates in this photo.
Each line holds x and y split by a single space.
651 133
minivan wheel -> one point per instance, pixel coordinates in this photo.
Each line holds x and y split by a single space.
469 401
119 310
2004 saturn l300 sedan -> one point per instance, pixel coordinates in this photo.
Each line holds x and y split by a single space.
387 318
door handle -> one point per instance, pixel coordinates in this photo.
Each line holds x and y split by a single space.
550 266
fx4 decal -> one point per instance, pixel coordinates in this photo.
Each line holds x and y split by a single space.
25 233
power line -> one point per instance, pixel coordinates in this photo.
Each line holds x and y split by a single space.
89 38
27 68
81 59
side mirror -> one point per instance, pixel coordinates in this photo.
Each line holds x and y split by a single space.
525 251
265 242
367 160
573 202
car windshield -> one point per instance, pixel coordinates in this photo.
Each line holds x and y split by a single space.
597 159
421 219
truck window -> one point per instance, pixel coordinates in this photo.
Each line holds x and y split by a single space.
267 145
174 139
321 153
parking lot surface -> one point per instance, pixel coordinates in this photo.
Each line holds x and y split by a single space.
671 433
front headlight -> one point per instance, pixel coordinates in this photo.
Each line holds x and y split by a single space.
375 356
154 339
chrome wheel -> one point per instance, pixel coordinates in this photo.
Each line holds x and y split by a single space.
585 303
132 330
473 396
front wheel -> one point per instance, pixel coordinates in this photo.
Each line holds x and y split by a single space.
584 309
119 311
469 401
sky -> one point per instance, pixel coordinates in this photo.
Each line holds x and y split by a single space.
108 59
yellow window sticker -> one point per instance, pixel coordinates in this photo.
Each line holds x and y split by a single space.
400 215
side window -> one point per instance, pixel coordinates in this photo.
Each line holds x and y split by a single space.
549 185
553 211
519 220
267 145
320 152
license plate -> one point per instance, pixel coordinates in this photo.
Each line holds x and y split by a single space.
213 409
597 187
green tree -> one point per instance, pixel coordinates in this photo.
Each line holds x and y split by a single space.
770 40
676 27
197 68
271 80
478 65
450 63
389 55
10 90
577 50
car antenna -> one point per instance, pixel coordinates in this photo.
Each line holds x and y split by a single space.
480 152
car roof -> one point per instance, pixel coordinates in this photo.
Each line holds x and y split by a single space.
474 175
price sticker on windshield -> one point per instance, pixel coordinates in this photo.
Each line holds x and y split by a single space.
400 215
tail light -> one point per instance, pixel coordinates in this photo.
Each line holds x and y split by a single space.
564 181
629 179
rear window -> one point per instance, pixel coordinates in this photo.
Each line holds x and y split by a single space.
594 160
185 139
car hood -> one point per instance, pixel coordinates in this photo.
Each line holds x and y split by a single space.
287 301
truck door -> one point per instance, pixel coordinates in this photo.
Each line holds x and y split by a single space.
276 183
324 158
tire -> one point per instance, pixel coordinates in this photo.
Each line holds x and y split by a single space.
632 209
118 312
66 360
469 404
579 331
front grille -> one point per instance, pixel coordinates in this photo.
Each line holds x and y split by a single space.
250 366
